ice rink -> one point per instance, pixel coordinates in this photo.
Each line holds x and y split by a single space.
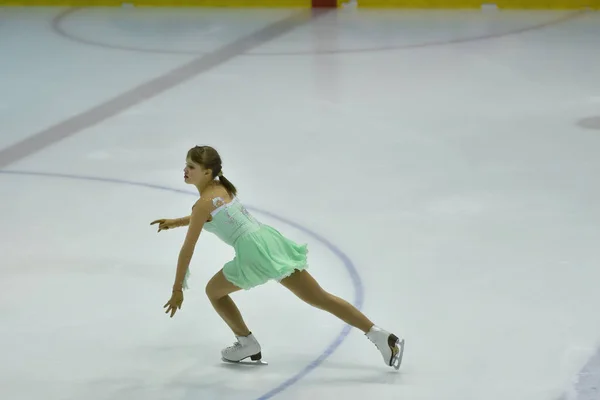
443 167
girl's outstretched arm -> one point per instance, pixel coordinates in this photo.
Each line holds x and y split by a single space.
200 214
165 224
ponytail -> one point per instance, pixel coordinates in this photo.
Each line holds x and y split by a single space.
228 185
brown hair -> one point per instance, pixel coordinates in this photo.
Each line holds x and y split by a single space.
209 158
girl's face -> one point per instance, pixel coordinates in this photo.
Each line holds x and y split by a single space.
196 174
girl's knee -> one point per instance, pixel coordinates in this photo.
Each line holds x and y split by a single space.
210 292
320 299
212 289
219 287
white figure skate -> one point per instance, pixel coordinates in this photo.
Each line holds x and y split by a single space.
245 347
390 346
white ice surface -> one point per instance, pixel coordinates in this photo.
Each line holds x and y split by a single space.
453 176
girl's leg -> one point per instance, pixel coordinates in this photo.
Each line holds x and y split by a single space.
218 290
303 285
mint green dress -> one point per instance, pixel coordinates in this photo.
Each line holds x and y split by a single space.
261 252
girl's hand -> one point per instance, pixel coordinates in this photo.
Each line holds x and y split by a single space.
164 224
174 303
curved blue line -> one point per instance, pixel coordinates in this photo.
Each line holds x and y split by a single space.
356 281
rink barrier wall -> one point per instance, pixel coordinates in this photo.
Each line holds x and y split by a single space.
413 4
501 4
177 3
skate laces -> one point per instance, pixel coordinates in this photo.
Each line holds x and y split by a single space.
235 346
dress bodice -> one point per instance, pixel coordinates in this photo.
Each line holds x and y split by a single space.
231 220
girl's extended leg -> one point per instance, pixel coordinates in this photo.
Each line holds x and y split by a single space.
303 285
218 290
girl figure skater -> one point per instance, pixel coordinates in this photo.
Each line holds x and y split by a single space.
261 254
